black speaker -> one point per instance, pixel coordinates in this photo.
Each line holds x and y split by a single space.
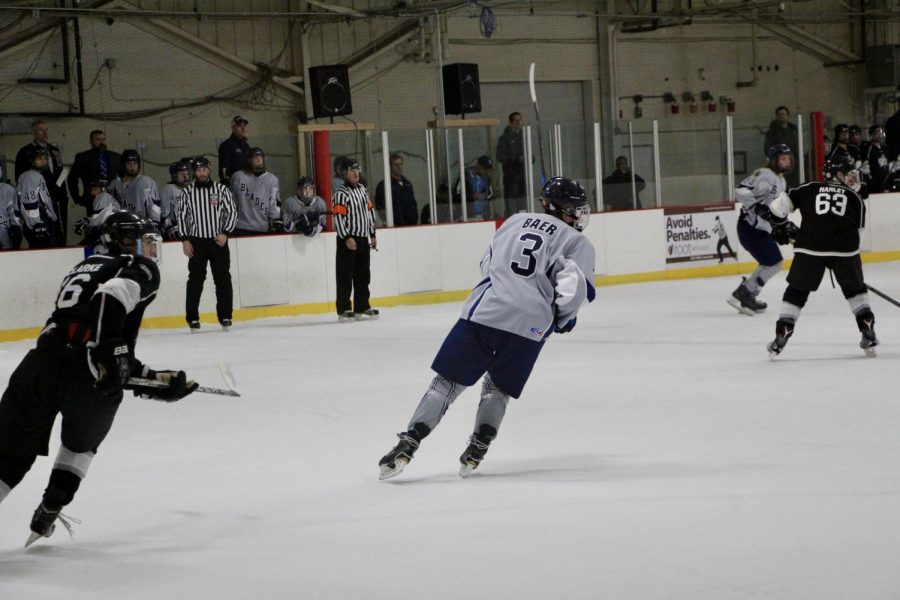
462 92
330 89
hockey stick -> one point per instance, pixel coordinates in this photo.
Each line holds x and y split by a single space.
537 118
161 384
883 295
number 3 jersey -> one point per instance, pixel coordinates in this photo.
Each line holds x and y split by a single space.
132 280
832 216
528 273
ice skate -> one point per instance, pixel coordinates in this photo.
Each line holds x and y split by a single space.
194 326
783 332
370 314
473 454
43 523
393 463
745 301
868 343
346 316
226 325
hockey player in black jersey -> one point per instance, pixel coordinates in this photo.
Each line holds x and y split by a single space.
832 214
82 362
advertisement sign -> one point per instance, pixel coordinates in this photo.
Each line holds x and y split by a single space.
700 235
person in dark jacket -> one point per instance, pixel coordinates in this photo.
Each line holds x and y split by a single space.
617 188
511 154
234 153
782 131
406 210
92 165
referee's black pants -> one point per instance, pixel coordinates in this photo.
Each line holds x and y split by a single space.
206 250
352 273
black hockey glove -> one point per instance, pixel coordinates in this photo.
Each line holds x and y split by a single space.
569 326
41 231
308 223
177 387
82 226
785 233
278 226
15 236
112 362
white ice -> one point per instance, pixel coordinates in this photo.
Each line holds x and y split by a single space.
656 453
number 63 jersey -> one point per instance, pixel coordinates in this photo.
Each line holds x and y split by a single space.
832 216
132 280
537 270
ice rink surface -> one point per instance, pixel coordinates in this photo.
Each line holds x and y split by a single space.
656 453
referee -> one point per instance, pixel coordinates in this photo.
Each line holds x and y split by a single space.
354 222
206 217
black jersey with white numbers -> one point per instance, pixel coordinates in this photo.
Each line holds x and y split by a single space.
131 280
832 217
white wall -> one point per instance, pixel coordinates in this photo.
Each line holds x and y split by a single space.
295 270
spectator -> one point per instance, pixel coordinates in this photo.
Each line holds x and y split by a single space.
256 196
442 199
337 180
103 205
617 191
92 165
892 136
354 221
233 152
206 217
406 211
479 191
511 154
180 178
854 142
874 169
135 192
305 212
782 131
35 208
41 131
10 224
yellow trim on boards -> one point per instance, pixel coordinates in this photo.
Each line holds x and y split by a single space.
317 308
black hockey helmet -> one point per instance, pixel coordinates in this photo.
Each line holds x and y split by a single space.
125 232
100 183
35 151
839 129
562 196
255 151
349 164
130 154
175 167
305 180
199 161
775 152
842 164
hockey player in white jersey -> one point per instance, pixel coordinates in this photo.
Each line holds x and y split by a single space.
34 206
180 174
256 195
305 212
537 272
103 204
756 193
10 224
135 192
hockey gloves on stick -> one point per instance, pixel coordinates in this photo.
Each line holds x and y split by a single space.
177 387
569 326
111 362
82 226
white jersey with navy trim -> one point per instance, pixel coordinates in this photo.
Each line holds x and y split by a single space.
34 201
257 199
139 196
293 208
763 186
168 207
8 217
537 269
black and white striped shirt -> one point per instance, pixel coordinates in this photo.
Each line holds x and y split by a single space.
354 214
206 211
